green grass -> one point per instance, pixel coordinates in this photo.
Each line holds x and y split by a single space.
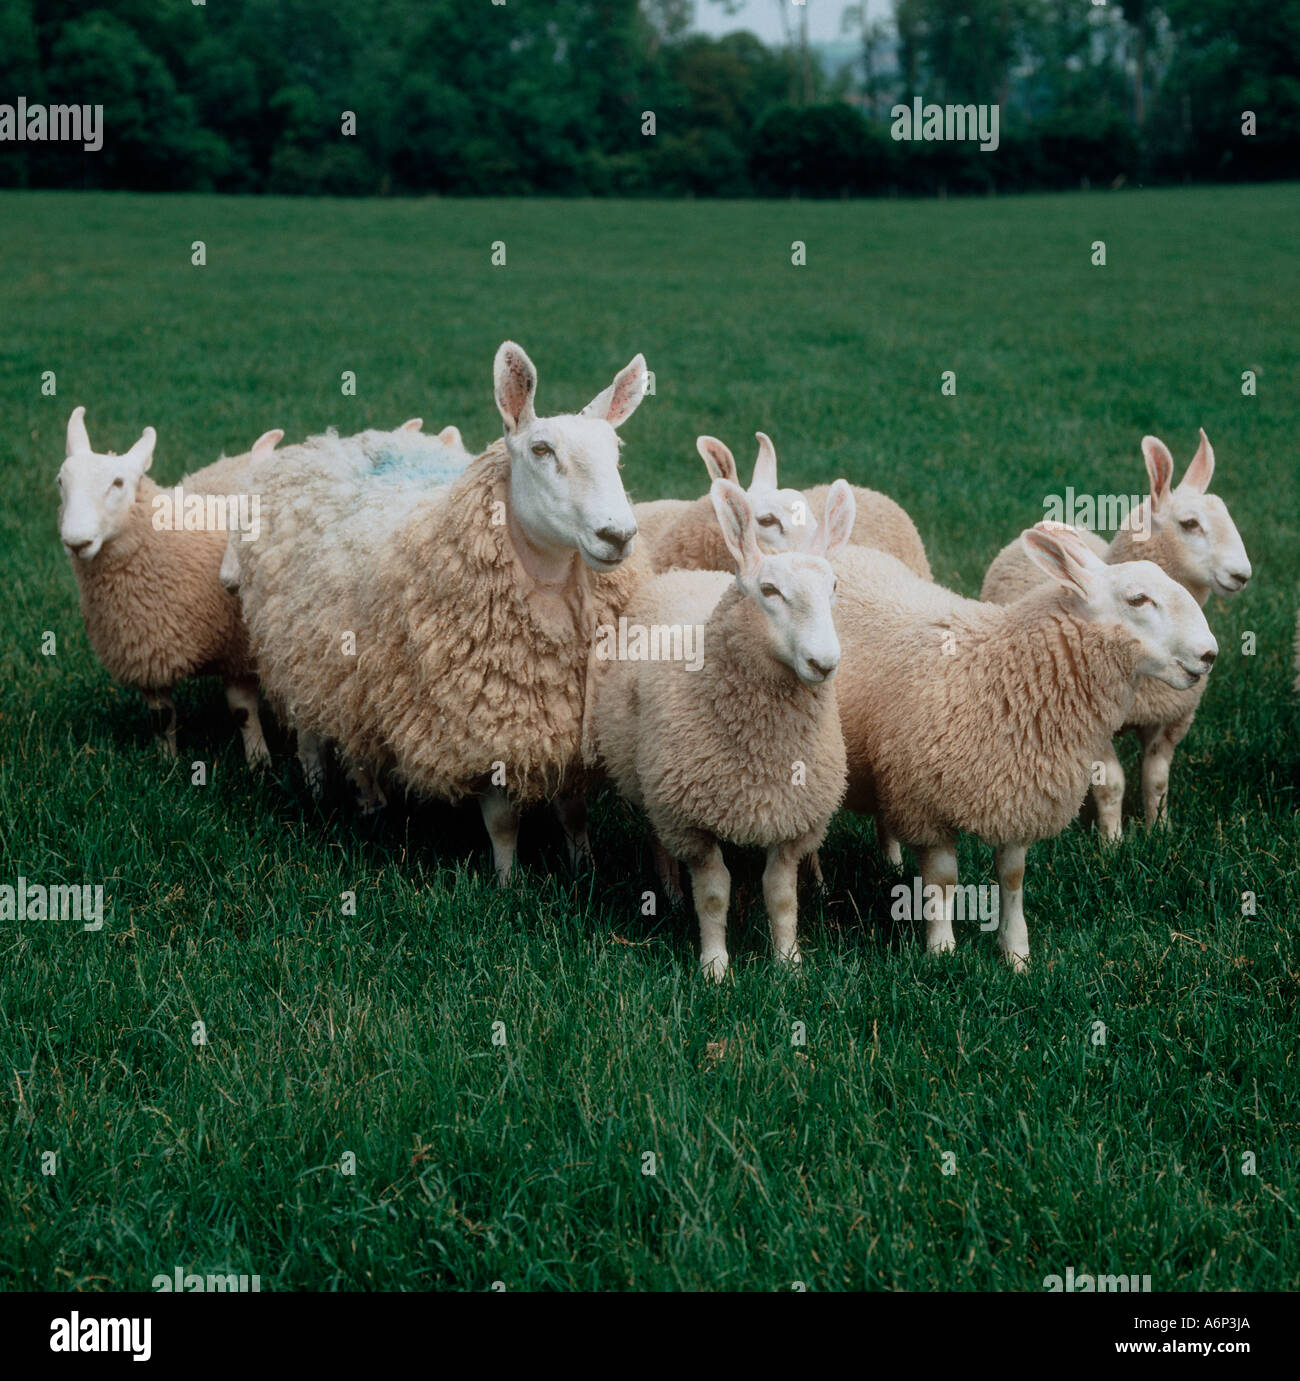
330 1033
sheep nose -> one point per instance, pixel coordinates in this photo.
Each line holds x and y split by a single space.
1239 578
824 668
1208 659
79 547
617 537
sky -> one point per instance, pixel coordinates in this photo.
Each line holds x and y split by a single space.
763 17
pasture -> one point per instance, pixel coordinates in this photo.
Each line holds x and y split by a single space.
825 1162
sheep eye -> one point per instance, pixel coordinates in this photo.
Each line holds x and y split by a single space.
540 448
769 520
1137 600
1189 525
768 590
119 483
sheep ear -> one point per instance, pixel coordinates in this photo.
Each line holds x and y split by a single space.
622 398
1201 471
718 458
78 440
836 529
736 519
141 454
412 424
1059 550
267 442
515 381
1160 469
450 436
765 465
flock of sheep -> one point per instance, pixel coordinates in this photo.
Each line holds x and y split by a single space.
511 627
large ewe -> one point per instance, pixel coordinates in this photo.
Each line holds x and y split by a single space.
986 718
1190 535
684 536
444 636
742 743
154 609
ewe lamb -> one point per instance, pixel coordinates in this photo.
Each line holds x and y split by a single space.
441 632
987 718
686 537
741 744
1190 535
154 609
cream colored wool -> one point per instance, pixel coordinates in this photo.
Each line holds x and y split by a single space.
154 610
1161 716
462 662
996 740
710 752
688 538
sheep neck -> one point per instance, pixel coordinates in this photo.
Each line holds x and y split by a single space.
738 661
550 571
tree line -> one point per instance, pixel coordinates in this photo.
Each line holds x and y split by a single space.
624 97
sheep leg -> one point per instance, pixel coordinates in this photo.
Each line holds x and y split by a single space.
1013 932
1109 797
571 812
311 758
502 821
370 799
163 709
939 869
889 847
667 869
711 884
1158 744
241 696
781 896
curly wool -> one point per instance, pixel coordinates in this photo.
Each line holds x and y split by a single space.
967 716
154 610
461 662
1012 575
712 752
688 537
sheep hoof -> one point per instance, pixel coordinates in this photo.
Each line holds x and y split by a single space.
257 754
790 956
1019 962
714 966
945 946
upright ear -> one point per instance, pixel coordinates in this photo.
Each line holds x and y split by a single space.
77 438
1064 555
1160 469
622 398
267 442
450 436
515 381
736 519
1201 471
718 458
841 512
412 424
141 454
765 465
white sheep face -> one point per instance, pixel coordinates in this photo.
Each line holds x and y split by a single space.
96 491
1175 642
785 520
1204 546
566 494
794 590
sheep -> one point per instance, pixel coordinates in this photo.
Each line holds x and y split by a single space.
741 744
441 634
684 536
960 715
151 601
1190 535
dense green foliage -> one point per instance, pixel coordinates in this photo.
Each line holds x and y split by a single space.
329 1033
552 96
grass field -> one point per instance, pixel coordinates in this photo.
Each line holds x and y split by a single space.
372 1034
